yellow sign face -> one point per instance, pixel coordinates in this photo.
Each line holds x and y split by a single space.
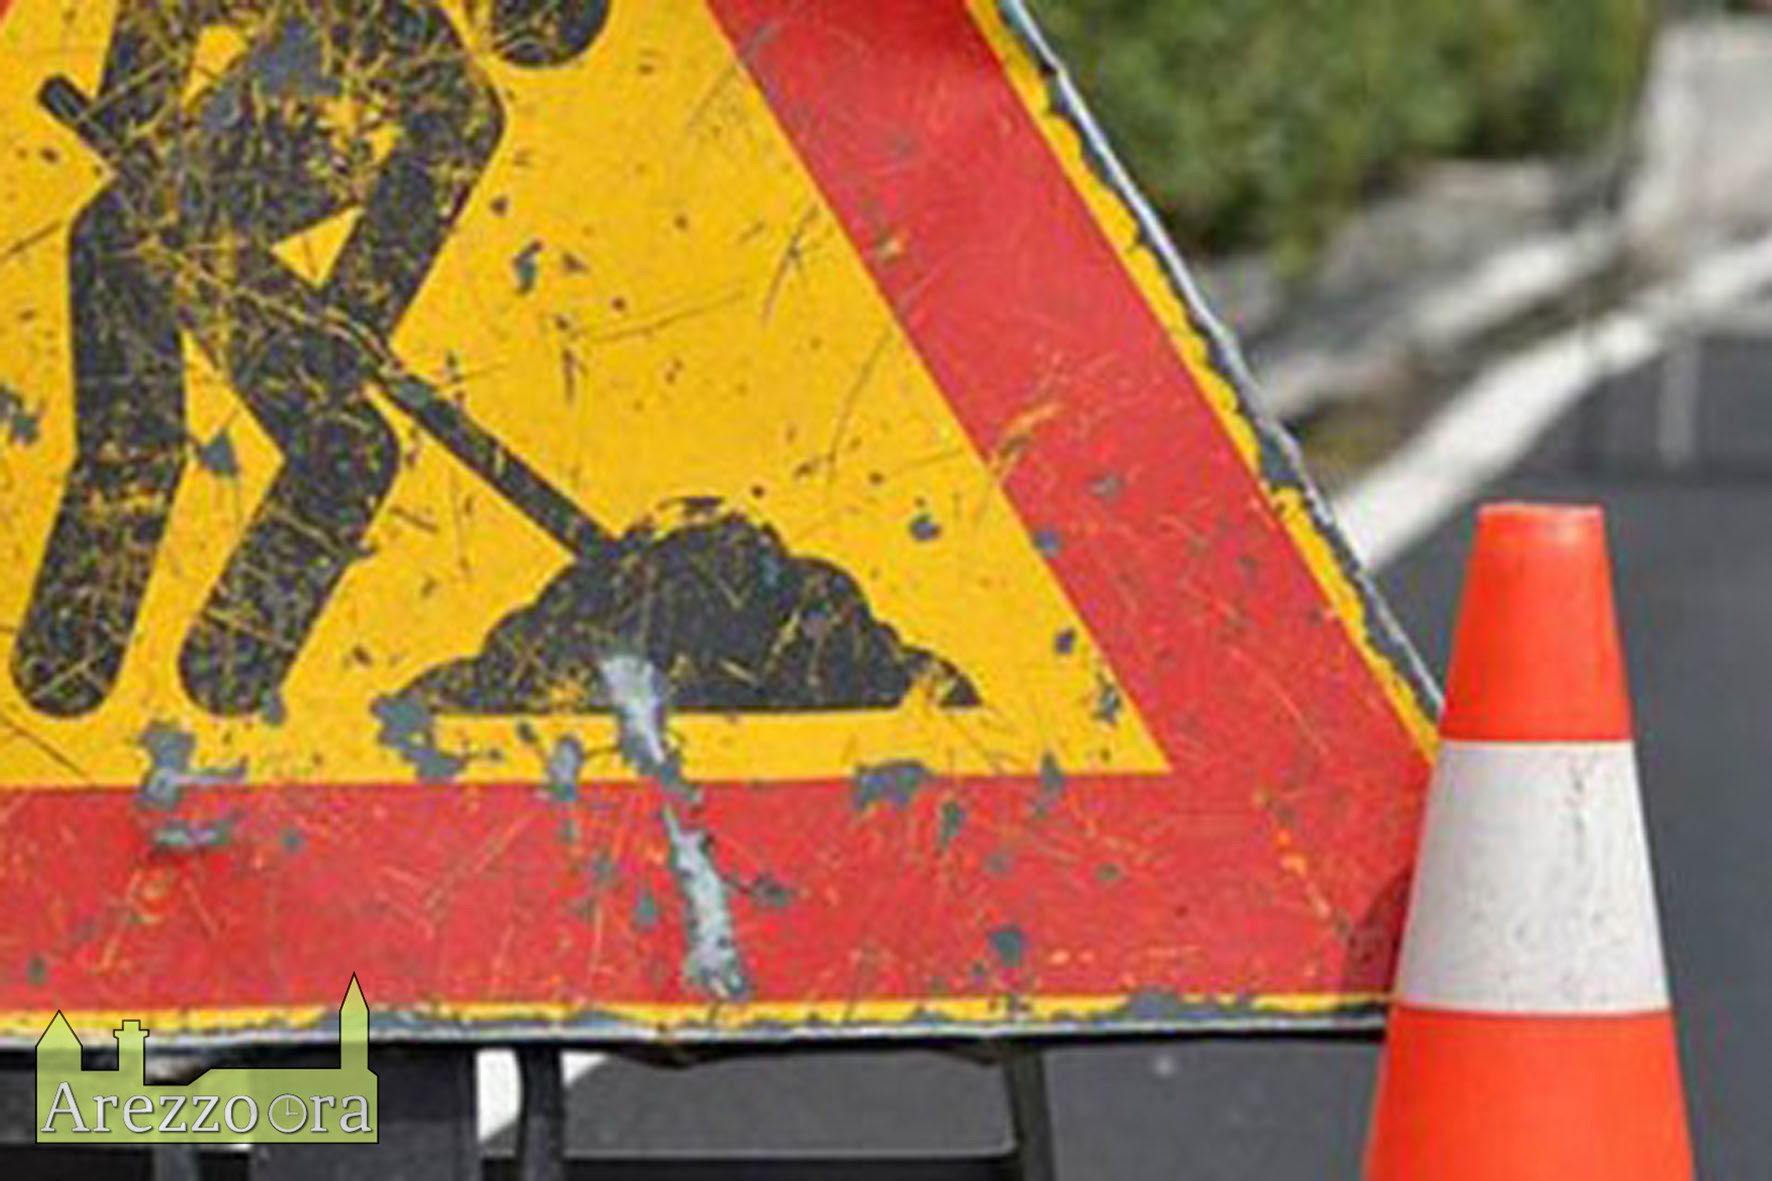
650 303
674 518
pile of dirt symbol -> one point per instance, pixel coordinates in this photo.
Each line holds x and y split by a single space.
715 602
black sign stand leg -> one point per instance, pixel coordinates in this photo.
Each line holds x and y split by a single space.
1030 1115
541 1123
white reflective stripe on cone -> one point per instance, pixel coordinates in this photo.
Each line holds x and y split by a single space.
1533 891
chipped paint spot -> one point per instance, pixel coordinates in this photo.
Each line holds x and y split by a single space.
1108 487
770 892
1047 542
526 263
292 64
1153 1007
36 971
896 782
1065 642
1009 944
1051 785
924 526
170 752
646 911
712 963
952 821
565 764
409 729
218 457
179 833
22 425
639 693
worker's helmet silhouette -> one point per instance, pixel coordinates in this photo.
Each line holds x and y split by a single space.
542 32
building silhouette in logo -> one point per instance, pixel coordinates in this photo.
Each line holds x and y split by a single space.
237 1105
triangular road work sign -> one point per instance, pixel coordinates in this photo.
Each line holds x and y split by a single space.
711 520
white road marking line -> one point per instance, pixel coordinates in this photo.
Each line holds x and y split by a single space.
1497 418
1501 288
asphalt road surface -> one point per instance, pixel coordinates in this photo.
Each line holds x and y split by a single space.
1693 555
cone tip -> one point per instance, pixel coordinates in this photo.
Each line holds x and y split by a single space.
1536 654
1576 527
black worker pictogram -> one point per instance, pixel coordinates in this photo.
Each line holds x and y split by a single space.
208 176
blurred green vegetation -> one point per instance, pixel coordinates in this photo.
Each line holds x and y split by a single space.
1259 123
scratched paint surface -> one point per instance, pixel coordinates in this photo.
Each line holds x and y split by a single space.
700 520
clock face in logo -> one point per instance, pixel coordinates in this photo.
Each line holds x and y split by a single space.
288 1113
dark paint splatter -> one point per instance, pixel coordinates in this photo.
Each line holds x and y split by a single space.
1065 642
1047 542
1108 702
896 782
924 527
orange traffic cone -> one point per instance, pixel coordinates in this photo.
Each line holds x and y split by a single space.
1531 1037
